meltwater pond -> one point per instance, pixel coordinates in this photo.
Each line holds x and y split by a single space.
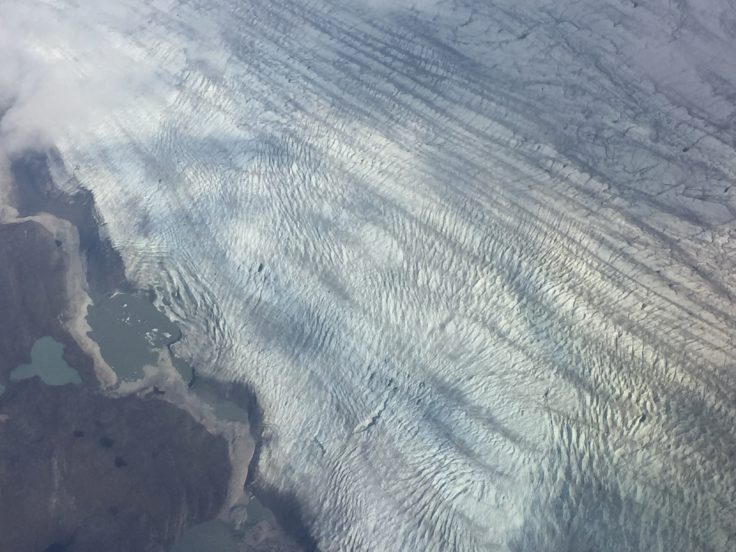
130 331
47 362
213 535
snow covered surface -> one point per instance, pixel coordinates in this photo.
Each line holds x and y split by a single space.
477 258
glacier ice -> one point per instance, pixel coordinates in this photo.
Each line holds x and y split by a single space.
476 258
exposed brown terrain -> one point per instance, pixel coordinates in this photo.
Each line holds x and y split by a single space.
34 192
82 470
32 291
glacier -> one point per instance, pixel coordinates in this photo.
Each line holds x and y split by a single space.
476 258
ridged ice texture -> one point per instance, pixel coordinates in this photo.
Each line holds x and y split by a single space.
477 257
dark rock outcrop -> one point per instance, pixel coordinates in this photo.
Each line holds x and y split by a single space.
84 472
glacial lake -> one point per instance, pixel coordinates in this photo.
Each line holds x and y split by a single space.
47 362
216 536
211 536
224 409
130 331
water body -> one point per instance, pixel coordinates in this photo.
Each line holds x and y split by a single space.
130 331
218 536
225 409
213 535
258 512
47 362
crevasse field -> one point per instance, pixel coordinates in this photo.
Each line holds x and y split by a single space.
477 258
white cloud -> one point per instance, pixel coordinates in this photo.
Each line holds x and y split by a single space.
54 75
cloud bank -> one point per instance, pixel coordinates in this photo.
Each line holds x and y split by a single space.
54 75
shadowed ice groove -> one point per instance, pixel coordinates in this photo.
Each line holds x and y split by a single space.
476 258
